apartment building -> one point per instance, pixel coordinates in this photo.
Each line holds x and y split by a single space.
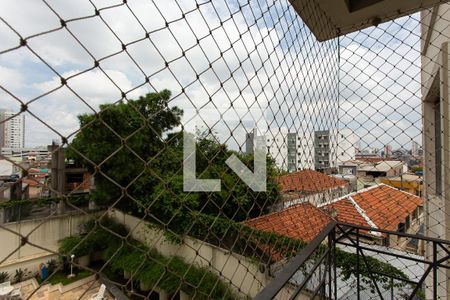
12 129
332 147
320 150
291 151
28 153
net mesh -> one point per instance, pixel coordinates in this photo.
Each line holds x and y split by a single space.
353 129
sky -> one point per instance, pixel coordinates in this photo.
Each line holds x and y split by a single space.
230 65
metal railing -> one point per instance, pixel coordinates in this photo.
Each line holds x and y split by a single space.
337 236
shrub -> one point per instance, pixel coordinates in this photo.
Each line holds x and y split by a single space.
3 276
74 245
20 275
51 266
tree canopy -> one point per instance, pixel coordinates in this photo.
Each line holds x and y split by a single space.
136 157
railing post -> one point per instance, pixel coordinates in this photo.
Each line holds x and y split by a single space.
434 270
334 264
357 264
331 261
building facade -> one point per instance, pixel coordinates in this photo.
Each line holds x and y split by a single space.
12 131
319 150
291 151
435 85
32 153
333 147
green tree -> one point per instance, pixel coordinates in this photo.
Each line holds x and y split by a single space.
120 145
138 162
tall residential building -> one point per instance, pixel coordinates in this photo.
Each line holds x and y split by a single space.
333 147
12 130
320 150
291 151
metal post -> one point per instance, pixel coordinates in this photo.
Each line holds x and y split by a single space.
392 288
331 262
434 270
334 264
71 275
357 264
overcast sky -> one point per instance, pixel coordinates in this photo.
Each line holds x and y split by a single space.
241 65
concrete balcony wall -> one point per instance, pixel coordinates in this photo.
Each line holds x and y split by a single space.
44 233
243 274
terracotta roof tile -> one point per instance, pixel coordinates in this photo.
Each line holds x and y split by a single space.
385 206
308 181
346 212
302 221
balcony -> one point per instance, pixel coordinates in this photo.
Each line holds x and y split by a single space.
315 271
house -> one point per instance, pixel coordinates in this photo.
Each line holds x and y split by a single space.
309 186
66 176
302 221
381 207
408 182
381 168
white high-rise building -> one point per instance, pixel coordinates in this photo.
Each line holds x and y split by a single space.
291 151
320 150
12 130
346 150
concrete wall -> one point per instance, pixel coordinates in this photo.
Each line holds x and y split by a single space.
44 233
242 273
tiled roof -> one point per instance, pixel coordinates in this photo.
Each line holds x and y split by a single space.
302 221
380 205
308 181
346 212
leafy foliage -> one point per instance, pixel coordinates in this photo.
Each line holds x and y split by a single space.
3 276
121 140
267 247
78 200
20 274
129 145
153 269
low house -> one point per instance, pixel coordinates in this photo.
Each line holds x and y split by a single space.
381 169
408 182
302 221
309 186
382 207
379 207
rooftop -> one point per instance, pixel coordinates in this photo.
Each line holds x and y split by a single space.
382 166
308 181
406 177
379 206
302 221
